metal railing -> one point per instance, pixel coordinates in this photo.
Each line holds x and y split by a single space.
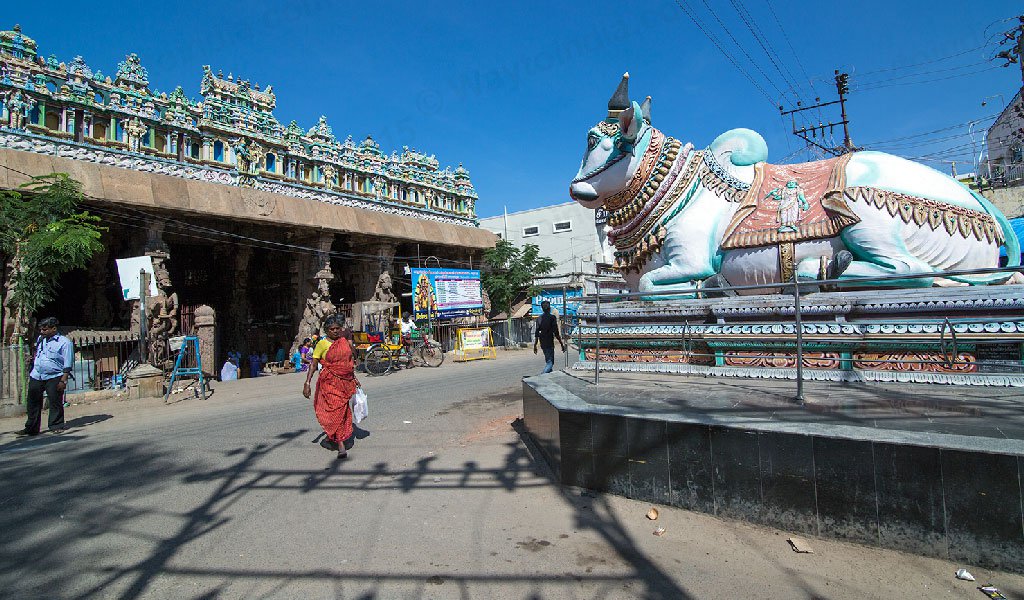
948 342
1002 174
513 332
102 362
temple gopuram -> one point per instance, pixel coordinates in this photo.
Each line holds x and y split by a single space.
189 181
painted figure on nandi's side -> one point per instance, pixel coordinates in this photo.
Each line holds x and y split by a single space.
723 216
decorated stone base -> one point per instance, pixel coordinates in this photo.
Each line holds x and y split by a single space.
962 336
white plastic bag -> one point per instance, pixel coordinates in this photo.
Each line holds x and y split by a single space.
359 408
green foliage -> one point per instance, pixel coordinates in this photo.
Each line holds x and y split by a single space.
42 236
510 272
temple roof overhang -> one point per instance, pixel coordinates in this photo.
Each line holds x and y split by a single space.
153 191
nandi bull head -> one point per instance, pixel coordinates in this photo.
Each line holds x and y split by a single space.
613 148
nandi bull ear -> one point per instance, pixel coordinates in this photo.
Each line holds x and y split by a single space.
646 109
630 121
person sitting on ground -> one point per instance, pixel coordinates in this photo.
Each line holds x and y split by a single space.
280 355
229 372
297 358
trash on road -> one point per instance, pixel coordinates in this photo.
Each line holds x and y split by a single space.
652 514
993 593
965 575
407 422
800 545
659 531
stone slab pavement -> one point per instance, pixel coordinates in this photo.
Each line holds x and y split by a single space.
232 498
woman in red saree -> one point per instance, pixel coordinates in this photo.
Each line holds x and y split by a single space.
335 386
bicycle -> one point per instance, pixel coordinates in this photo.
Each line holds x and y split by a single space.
382 358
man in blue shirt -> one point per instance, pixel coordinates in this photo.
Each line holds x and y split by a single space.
55 355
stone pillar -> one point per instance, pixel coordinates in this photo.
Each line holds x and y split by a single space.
97 305
79 125
238 329
315 289
206 331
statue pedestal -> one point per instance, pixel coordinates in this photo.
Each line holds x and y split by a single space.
145 381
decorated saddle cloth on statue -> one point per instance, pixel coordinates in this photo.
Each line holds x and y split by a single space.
792 203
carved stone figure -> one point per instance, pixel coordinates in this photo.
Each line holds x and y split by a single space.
134 129
161 311
384 291
242 156
18 105
679 216
318 305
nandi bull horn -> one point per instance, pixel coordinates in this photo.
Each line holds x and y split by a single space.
620 99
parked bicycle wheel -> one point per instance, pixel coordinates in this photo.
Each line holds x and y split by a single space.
379 360
431 353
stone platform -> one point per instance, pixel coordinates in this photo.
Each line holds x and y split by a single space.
960 336
929 469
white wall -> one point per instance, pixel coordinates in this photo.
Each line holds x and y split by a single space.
1000 139
581 242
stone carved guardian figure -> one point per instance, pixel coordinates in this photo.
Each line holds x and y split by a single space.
134 129
384 291
19 106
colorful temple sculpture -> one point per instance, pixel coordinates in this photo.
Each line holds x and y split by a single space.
690 225
230 136
259 227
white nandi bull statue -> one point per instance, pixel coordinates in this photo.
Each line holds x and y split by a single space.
722 215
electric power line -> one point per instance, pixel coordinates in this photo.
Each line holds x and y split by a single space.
869 87
686 9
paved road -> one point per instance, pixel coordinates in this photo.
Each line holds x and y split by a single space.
232 498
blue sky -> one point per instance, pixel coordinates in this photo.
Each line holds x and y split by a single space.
510 89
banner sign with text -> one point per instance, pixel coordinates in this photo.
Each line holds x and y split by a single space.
555 298
446 293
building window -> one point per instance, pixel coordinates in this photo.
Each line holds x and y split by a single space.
561 226
218 151
531 231
271 162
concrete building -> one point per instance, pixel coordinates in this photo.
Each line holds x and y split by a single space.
566 233
1003 170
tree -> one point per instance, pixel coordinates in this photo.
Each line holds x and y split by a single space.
42 236
511 271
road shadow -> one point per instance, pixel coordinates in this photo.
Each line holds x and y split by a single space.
95 487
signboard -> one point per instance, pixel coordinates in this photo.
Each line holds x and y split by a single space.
128 271
446 293
474 339
474 344
555 298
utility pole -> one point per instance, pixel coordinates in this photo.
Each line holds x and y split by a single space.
818 131
1015 53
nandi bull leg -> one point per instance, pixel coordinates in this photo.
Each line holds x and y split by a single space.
671 278
884 258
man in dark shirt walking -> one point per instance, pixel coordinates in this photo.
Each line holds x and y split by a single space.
55 355
547 331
